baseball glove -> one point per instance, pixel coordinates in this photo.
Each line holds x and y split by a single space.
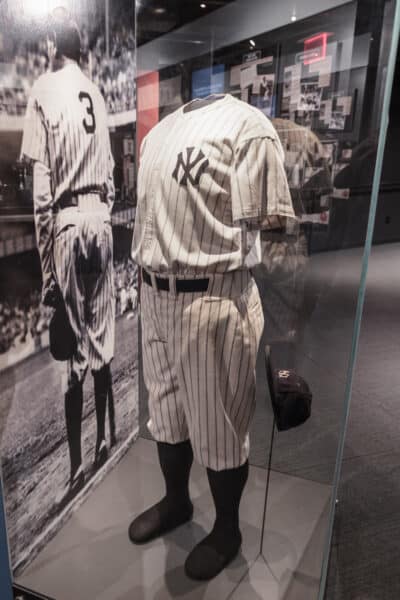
51 294
62 338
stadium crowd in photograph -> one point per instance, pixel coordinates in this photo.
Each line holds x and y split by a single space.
24 319
113 74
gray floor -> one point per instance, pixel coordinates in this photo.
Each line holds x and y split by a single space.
92 558
366 549
366 541
366 555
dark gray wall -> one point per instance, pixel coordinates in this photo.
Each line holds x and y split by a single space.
235 22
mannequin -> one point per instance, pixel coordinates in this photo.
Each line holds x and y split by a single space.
202 318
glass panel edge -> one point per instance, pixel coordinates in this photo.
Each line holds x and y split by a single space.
384 121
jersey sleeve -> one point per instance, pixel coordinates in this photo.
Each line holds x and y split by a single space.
111 161
34 139
260 191
142 147
110 181
44 221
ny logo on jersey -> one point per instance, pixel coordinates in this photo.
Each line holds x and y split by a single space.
193 168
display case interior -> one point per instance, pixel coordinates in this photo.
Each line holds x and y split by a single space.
247 137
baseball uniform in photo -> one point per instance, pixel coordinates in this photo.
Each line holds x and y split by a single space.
67 137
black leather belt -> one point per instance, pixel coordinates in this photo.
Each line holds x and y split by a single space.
68 198
182 285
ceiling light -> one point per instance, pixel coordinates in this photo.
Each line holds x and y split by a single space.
252 43
159 11
202 5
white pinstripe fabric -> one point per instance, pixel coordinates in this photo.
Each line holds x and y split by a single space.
204 176
54 133
84 268
66 130
199 358
196 228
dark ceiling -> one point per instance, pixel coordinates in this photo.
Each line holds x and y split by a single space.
156 17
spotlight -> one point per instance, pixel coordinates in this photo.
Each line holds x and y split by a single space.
203 5
293 18
252 43
159 11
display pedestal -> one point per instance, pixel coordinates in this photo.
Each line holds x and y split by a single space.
294 539
92 556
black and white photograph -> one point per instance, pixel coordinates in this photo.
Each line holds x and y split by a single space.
338 120
266 85
264 96
325 112
310 97
330 152
68 299
287 82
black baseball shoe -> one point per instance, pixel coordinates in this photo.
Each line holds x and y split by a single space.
163 517
175 508
71 489
221 546
213 554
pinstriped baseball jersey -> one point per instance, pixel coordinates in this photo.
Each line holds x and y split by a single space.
203 174
66 137
65 129
209 179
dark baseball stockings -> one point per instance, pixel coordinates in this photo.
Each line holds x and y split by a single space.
101 385
175 508
73 417
220 547
111 411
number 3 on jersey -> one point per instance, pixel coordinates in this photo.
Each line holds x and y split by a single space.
89 125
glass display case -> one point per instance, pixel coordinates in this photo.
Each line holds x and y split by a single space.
248 139
319 73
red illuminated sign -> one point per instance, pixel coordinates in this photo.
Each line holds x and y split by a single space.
315 48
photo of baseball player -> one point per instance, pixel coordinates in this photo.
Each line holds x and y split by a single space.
68 310
67 139
201 208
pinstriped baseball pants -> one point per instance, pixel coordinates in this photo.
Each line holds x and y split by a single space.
199 359
83 261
